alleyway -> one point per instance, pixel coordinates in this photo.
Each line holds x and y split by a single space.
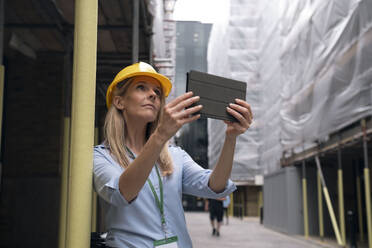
241 233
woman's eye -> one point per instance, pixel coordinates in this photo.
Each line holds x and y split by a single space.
140 86
157 92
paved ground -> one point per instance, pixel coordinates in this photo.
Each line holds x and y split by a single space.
242 233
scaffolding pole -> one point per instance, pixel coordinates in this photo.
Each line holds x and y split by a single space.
320 207
329 203
304 198
82 124
341 196
367 184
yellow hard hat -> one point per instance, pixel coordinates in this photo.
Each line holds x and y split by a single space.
138 69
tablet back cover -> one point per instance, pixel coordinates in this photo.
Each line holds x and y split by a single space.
215 93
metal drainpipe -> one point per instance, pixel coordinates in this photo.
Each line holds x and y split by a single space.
82 124
329 203
304 197
359 199
367 184
341 196
135 30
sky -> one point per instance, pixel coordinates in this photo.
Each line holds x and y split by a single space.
206 11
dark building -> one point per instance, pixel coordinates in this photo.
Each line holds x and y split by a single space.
191 54
36 46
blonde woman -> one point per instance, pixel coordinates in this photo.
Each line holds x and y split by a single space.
139 176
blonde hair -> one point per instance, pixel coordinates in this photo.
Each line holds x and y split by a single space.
115 131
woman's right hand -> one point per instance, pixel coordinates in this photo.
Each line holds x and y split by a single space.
176 114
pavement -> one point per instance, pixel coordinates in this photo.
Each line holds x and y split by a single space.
247 232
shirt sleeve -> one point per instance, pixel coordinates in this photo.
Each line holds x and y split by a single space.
106 180
195 180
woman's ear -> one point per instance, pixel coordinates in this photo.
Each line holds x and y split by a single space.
118 101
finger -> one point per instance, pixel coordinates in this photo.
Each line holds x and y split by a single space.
179 99
242 110
185 103
238 116
186 112
245 104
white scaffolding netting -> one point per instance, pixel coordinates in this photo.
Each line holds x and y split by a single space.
235 36
308 67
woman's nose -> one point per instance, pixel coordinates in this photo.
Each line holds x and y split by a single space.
152 94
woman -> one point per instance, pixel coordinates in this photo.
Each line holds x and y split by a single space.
140 178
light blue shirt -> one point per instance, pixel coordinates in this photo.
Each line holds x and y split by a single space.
138 224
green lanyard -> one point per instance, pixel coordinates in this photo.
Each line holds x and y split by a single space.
159 203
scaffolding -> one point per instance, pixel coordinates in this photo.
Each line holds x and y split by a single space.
308 72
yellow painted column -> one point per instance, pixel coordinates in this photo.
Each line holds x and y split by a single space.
367 186
82 124
368 205
304 198
64 184
260 202
320 207
341 197
231 206
341 206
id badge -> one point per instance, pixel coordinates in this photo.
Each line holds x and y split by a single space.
170 242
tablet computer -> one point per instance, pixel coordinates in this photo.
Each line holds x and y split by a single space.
215 93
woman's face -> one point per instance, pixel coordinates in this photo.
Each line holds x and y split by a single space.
142 100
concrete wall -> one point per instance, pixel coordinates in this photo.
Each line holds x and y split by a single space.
283 201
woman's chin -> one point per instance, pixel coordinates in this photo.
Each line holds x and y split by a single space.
149 118
145 116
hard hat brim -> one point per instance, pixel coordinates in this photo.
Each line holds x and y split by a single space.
163 80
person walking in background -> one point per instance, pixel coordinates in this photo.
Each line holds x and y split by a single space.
226 204
140 177
215 208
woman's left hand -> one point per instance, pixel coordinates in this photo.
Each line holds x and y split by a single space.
241 110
